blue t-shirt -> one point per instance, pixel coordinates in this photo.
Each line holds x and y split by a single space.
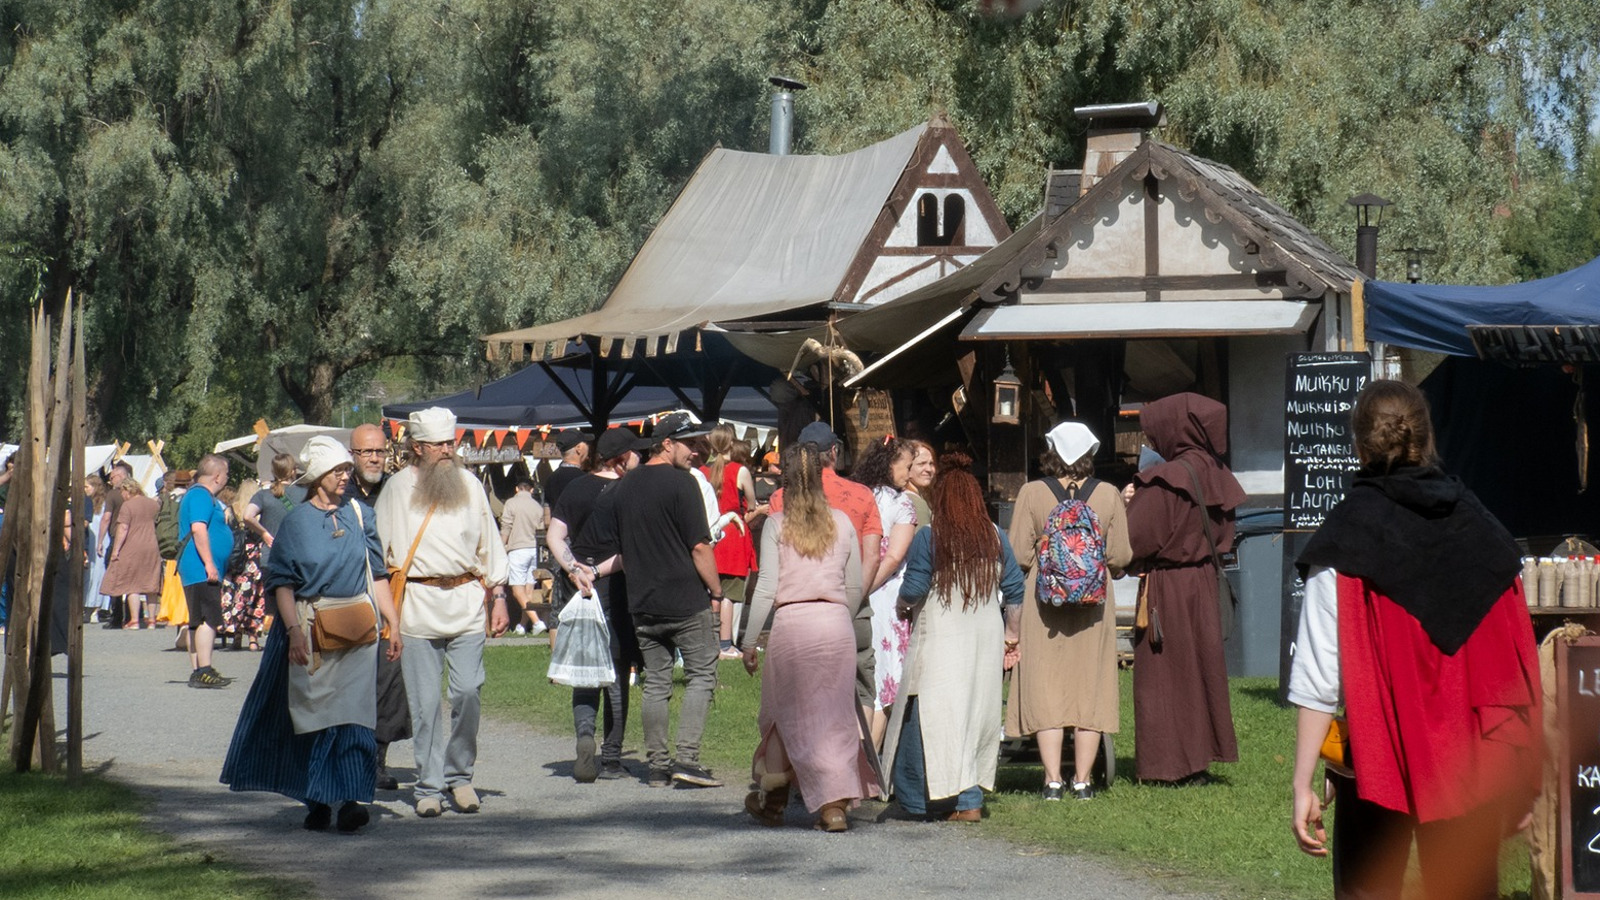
199 506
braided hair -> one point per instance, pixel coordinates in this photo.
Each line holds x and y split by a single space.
1392 427
807 520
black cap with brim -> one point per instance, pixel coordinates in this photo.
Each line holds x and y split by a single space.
566 440
617 441
677 426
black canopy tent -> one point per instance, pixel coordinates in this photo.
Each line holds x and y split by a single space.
1509 400
560 396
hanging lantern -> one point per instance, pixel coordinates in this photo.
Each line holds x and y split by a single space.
1007 396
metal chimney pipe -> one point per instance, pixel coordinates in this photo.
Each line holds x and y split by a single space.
782 134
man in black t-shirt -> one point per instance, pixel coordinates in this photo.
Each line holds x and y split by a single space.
673 592
582 538
574 446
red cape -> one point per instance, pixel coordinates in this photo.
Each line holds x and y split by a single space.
1432 735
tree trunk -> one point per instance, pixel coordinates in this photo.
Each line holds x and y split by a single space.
311 389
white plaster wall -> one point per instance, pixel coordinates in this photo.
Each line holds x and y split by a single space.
1110 246
887 267
1113 244
1256 374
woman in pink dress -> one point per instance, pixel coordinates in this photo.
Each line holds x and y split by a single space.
811 573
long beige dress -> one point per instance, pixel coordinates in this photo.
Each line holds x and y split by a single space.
137 568
1067 674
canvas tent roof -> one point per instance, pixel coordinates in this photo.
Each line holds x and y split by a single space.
751 235
1513 321
918 331
288 439
534 396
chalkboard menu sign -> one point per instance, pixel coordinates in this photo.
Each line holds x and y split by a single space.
1317 453
1578 699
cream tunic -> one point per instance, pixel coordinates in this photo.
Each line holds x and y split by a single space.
461 541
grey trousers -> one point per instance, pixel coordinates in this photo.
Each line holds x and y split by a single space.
444 761
696 639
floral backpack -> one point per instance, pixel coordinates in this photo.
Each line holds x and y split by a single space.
1072 552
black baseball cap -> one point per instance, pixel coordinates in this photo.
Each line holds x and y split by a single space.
616 441
566 440
677 426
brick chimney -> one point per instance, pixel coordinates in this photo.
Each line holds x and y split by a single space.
1115 131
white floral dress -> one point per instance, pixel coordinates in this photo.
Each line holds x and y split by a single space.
891 635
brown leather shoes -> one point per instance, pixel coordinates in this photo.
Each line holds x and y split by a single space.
970 816
767 806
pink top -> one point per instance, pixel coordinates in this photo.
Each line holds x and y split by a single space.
787 577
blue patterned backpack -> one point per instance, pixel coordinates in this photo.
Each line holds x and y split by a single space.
1072 551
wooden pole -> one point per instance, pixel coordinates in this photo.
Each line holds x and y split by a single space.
80 440
25 590
38 723
1358 315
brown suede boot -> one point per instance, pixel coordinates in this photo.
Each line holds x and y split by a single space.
831 817
769 800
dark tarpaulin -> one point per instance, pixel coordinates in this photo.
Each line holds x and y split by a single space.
1509 434
531 397
1435 317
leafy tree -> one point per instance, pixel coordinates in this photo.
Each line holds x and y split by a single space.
265 204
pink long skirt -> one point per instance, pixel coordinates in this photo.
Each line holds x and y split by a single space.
808 705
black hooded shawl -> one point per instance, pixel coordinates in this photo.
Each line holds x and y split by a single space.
1423 540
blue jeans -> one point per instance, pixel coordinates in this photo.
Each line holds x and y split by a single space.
696 639
910 773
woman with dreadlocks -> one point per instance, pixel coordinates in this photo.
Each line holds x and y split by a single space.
810 573
944 740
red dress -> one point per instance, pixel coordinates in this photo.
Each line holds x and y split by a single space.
736 554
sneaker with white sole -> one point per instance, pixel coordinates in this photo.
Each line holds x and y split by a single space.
538 629
694 775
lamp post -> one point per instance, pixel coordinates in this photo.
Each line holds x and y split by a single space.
1414 262
1367 231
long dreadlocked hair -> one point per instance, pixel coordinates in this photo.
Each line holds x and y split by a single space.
807 521
966 546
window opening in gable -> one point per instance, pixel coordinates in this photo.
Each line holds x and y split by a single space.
936 231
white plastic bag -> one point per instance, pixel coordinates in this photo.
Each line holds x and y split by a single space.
582 654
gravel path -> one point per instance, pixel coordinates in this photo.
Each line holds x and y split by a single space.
539 833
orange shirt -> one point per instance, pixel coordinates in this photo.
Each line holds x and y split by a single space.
852 499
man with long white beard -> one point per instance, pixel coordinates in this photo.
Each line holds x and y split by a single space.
369 447
437 528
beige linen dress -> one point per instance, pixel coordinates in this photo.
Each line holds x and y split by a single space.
1067 674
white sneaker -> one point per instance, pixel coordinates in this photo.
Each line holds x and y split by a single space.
538 629
519 630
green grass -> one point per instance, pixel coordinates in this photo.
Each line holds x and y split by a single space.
88 843
1231 837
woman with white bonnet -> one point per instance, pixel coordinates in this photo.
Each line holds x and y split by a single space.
1066 661
306 729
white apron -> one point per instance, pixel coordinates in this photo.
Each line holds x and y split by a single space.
335 688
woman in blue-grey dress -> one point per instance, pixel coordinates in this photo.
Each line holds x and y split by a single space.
306 729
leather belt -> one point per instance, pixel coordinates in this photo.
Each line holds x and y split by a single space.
444 582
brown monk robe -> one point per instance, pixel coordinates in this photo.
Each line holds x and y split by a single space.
1182 718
